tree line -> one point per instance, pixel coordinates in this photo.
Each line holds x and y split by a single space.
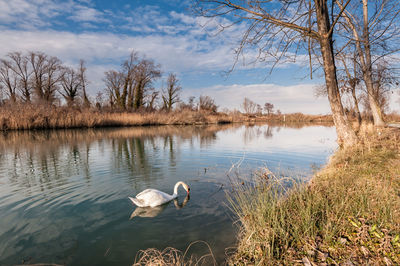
38 78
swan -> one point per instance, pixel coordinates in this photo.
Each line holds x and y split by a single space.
153 197
148 212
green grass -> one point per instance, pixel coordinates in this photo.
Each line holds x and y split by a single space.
348 212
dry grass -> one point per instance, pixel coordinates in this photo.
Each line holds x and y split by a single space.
172 256
349 213
29 116
51 117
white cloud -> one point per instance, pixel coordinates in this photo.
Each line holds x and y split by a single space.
87 14
288 99
178 53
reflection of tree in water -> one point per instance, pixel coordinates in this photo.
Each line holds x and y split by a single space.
172 150
207 138
251 132
49 158
39 161
268 132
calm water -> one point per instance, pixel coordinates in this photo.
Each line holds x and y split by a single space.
63 194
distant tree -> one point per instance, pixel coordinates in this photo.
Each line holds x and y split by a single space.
170 95
19 64
144 75
268 107
83 83
99 100
259 109
131 86
249 106
8 80
189 105
207 103
47 72
114 82
70 85
349 81
152 98
384 80
128 71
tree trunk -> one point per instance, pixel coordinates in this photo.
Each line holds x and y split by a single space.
130 95
358 113
345 133
367 73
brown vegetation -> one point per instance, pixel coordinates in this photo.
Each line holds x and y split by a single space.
37 116
348 214
50 117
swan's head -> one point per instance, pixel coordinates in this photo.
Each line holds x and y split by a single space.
184 185
187 188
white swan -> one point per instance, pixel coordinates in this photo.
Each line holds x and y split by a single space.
153 197
149 212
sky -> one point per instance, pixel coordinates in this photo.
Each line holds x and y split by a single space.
104 33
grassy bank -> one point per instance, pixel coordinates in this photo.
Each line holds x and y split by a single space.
27 116
349 212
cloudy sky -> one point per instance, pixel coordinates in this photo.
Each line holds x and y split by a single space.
103 33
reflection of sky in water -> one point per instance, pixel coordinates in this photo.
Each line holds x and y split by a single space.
63 194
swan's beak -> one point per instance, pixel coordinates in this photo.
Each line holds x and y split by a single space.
188 191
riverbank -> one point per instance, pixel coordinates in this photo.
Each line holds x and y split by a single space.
26 117
349 212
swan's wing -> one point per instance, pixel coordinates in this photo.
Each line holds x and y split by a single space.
137 202
153 197
145 192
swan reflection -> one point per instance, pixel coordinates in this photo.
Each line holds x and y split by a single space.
150 212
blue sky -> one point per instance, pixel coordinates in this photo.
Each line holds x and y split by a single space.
103 33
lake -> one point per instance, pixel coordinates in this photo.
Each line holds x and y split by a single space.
64 194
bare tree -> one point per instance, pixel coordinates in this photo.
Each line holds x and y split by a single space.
8 80
259 109
249 106
350 81
83 83
374 38
19 64
47 72
384 80
268 107
207 103
144 75
128 70
152 98
189 105
130 87
281 28
70 84
170 95
114 83
54 73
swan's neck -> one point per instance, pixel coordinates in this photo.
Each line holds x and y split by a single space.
176 189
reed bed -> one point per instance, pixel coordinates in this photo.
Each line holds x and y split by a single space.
41 116
348 214
51 117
